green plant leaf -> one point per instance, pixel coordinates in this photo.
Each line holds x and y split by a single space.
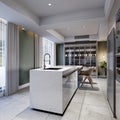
103 64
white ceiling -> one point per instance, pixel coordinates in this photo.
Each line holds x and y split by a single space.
85 29
41 8
65 18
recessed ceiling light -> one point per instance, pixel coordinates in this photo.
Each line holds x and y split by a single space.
23 28
49 4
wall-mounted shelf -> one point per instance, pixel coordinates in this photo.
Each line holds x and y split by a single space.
117 54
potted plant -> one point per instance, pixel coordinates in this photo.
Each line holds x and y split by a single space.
103 65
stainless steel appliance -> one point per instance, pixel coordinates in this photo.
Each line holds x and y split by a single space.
111 96
117 50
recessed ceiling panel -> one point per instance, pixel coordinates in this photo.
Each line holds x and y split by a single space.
54 7
88 29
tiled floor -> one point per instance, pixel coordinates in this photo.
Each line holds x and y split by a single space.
87 104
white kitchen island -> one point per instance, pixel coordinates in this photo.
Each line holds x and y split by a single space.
52 89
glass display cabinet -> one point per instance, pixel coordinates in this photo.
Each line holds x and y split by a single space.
80 54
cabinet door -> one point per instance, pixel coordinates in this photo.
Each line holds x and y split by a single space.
118 66
77 56
111 71
82 56
88 56
93 55
67 55
71 56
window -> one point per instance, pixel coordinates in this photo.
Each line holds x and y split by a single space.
3 34
48 47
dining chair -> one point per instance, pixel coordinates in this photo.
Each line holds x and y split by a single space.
87 73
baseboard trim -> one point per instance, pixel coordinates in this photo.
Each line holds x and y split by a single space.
24 86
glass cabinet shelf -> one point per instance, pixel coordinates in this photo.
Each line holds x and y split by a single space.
117 54
80 54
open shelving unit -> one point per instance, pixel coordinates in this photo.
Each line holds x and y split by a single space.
81 53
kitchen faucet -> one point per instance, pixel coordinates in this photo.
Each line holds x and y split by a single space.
45 60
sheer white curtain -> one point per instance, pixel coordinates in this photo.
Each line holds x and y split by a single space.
3 34
12 59
37 51
48 47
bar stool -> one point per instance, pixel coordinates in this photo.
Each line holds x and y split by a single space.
87 73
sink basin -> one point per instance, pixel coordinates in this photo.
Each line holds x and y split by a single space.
53 68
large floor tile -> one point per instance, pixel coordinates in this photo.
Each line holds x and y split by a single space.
76 107
72 112
94 113
71 115
54 117
30 114
95 100
79 98
87 104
